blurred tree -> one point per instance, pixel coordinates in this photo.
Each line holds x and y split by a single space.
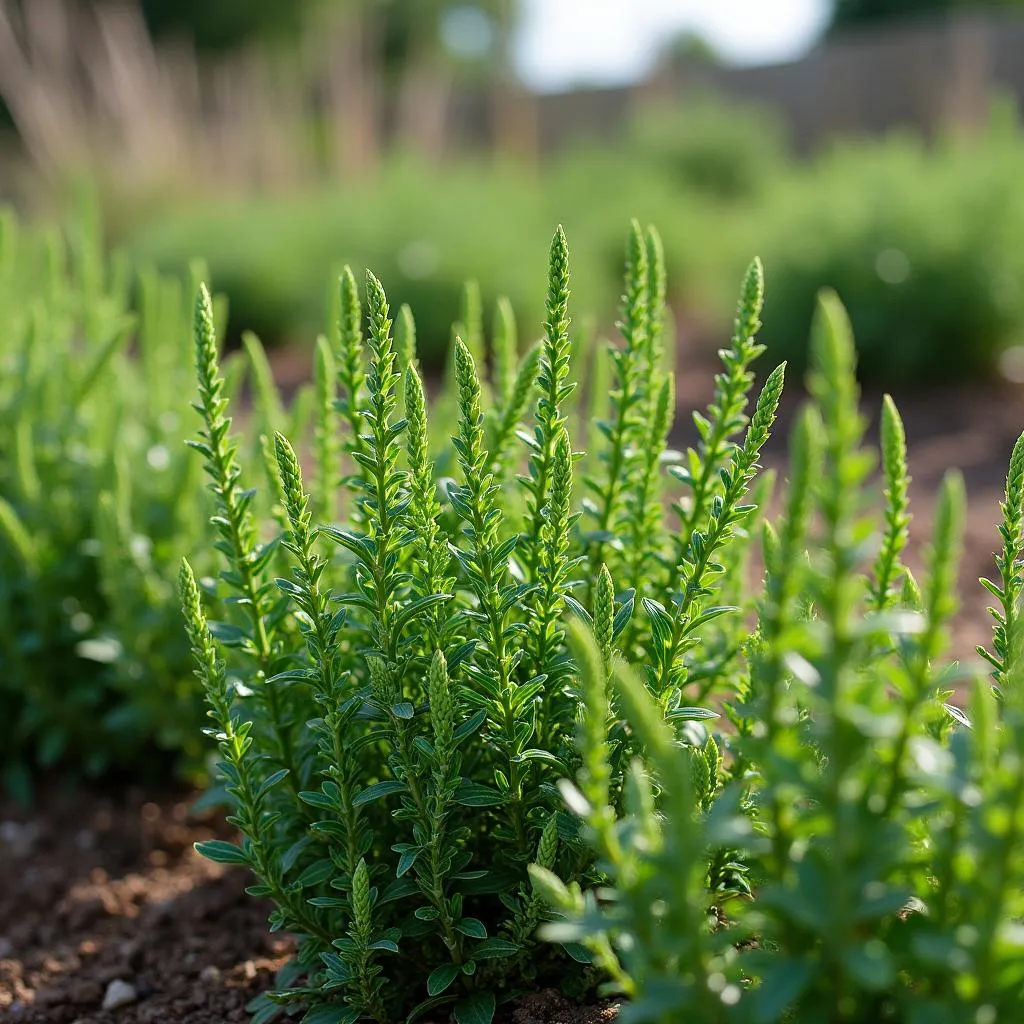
223 24
853 13
467 31
425 46
688 47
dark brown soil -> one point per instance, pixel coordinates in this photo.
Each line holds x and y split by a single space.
96 888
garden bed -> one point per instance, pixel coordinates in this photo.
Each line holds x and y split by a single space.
101 889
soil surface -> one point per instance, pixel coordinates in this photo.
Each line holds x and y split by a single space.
103 894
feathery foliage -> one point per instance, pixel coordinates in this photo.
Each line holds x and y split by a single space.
850 849
407 692
97 504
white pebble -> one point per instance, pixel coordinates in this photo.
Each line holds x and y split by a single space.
119 993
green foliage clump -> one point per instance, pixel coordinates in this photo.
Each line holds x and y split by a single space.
392 689
920 241
849 847
272 257
711 146
96 503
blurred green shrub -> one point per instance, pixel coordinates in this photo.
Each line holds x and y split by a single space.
426 232
711 145
97 501
920 241
923 246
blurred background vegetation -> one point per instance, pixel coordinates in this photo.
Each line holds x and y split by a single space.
280 140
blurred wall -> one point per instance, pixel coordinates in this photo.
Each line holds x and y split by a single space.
932 74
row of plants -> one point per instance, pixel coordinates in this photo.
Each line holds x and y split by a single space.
99 500
919 241
510 711
919 238
720 753
96 504
410 222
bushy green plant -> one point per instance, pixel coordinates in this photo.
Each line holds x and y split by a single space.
710 145
401 700
848 848
921 242
95 504
273 256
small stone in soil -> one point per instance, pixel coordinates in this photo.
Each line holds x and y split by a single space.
85 839
119 993
17 838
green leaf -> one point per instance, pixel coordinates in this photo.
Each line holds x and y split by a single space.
661 621
378 790
425 1007
691 714
707 616
535 754
228 634
406 861
469 726
221 852
441 977
331 1015
472 927
317 872
494 949
474 794
263 1010
414 608
270 782
579 953
316 799
622 616
477 1009
399 889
